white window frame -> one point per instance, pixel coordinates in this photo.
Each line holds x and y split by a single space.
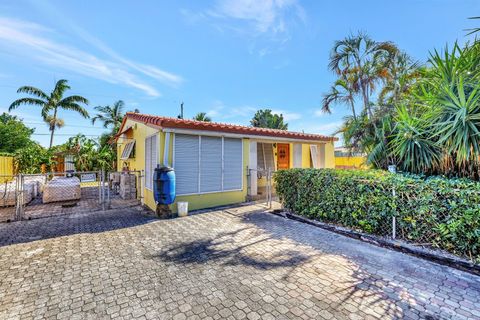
199 158
145 157
127 150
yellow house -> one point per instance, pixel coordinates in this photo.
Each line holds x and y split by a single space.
215 164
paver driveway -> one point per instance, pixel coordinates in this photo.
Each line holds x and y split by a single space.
232 264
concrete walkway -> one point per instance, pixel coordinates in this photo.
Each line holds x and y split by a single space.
233 264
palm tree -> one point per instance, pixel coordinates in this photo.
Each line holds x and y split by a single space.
202 116
54 123
341 92
402 74
110 115
52 102
266 119
366 59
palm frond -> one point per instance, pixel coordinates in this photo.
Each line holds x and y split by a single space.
77 108
28 101
73 99
33 91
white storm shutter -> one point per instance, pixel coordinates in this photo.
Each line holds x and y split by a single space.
260 156
314 155
233 164
297 155
210 164
187 162
151 156
318 156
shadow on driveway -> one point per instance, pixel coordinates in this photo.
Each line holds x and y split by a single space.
383 280
225 249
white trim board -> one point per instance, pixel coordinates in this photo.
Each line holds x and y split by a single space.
258 138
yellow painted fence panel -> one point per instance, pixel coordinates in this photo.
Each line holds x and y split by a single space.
351 163
6 169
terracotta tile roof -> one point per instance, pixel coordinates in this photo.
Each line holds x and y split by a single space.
174 123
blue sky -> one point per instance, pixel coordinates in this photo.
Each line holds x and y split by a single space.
226 57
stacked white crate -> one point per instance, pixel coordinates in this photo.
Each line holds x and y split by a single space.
128 188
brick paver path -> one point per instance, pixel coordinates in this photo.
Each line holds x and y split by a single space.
230 264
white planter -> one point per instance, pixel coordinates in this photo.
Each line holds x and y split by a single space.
182 207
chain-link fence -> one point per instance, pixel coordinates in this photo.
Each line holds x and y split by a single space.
123 189
62 193
30 196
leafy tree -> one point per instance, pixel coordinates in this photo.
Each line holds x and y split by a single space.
266 119
14 134
52 103
111 116
90 155
202 116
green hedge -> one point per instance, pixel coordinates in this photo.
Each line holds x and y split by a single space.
443 213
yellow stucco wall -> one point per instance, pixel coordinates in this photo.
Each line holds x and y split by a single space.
139 134
306 158
329 155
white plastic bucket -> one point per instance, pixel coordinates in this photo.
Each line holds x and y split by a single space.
182 207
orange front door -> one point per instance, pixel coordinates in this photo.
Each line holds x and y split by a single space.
283 156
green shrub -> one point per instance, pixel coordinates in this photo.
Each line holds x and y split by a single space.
435 211
30 159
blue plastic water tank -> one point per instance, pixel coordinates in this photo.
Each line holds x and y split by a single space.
164 185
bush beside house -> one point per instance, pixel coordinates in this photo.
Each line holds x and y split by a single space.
443 213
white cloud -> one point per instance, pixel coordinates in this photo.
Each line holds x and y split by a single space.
35 41
288 116
319 113
266 23
323 128
269 16
220 111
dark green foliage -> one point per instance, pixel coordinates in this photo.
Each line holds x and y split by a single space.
14 134
202 116
266 119
30 158
90 155
443 213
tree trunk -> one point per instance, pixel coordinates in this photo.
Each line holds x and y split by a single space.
353 109
52 127
366 100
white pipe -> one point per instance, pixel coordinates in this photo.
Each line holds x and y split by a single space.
166 149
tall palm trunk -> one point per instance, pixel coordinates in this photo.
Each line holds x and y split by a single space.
353 108
52 127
